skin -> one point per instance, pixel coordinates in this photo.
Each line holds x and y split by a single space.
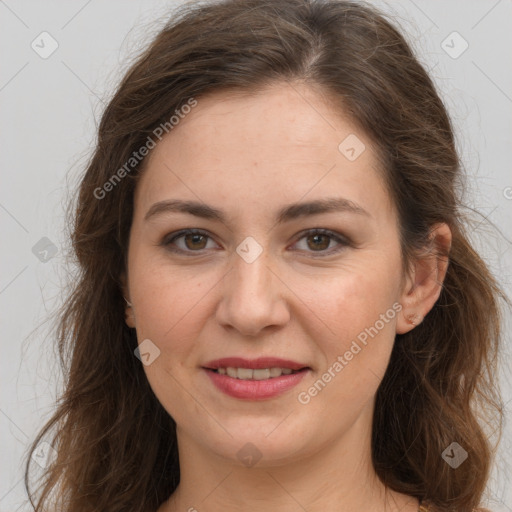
249 155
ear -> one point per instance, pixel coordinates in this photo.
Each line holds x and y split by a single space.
129 314
424 283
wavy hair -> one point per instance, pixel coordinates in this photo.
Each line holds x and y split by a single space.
116 447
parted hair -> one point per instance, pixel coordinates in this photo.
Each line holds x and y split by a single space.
116 447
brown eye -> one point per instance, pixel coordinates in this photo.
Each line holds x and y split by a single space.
322 241
318 242
187 241
195 241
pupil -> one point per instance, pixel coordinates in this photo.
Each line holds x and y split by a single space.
194 237
321 246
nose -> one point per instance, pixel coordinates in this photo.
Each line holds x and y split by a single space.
253 298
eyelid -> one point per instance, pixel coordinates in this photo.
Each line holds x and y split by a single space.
342 240
171 237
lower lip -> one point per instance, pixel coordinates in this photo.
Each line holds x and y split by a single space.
255 389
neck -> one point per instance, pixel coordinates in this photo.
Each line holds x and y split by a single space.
338 477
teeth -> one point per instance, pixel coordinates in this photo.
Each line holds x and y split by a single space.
232 372
242 373
250 374
261 374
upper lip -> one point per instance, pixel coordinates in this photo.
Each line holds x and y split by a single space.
261 362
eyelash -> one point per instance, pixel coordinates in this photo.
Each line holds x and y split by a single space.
343 241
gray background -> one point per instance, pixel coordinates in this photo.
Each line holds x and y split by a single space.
49 111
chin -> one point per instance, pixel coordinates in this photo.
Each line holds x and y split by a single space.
265 443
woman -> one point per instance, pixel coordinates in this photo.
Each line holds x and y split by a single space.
278 307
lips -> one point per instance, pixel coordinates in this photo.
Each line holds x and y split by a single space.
256 379
254 364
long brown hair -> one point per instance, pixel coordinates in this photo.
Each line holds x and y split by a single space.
116 447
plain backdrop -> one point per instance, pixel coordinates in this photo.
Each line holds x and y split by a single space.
52 103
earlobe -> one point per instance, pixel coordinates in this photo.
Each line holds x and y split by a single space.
424 284
129 314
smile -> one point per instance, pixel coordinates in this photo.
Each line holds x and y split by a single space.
259 374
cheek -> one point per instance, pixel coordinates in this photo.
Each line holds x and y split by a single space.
351 299
170 312
170 304
360 311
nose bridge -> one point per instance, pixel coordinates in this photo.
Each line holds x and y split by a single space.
251 300
251 278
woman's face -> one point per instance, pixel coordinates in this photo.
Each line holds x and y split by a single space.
260 283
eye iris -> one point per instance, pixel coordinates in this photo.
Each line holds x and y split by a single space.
316 241
194 237
325 245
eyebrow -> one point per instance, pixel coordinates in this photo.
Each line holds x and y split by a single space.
284 214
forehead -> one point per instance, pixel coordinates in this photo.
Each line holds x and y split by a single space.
283 142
